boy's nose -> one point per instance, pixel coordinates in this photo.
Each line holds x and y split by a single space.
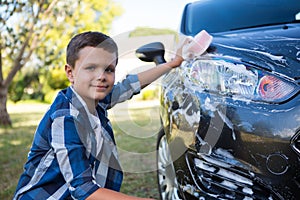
101 75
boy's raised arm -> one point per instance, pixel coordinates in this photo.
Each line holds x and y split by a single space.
148 76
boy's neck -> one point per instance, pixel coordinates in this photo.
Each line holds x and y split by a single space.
92 108
90 105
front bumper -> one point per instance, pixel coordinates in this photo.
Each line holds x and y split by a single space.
243 162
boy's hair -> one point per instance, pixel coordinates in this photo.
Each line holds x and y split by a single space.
92 39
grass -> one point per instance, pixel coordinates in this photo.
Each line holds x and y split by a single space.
135 133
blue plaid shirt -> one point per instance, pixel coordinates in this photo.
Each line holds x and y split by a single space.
68 160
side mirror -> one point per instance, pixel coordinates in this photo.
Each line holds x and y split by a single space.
152 52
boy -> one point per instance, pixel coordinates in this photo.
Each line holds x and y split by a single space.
73 155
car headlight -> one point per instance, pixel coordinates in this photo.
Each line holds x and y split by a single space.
239 80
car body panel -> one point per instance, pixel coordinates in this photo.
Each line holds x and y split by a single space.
230 147
275 48
227 138
256 136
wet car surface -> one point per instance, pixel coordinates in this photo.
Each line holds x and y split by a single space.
231 117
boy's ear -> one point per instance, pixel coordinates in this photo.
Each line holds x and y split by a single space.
69 73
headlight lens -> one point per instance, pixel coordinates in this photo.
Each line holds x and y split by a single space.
239 80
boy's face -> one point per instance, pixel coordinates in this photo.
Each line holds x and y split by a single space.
93 75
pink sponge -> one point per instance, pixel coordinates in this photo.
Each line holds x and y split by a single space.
197 46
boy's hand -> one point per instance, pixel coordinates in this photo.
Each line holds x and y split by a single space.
148 76
177 60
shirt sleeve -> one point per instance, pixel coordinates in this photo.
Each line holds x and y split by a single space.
71 157
122 91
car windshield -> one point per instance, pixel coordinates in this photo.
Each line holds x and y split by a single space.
226 15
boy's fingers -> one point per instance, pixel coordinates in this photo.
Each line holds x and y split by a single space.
182 43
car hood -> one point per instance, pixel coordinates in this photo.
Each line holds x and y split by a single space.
275 48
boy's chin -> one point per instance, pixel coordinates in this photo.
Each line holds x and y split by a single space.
100 97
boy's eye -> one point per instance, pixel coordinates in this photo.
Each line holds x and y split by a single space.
91 68
110 70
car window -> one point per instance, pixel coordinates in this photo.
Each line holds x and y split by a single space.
225 15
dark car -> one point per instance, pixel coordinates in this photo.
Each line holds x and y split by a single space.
231 117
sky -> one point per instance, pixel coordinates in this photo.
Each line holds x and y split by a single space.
148 13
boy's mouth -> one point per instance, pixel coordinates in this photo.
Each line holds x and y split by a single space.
101 87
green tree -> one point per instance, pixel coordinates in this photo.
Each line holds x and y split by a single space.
34 33
25 84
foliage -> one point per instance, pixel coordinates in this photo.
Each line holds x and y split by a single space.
50 95
26 85
45 27
146 31
34 34
150 94
57 78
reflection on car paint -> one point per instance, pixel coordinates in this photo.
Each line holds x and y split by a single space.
272 57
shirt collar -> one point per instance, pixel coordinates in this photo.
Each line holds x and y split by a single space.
94 120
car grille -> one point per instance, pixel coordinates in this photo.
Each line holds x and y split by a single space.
217 178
